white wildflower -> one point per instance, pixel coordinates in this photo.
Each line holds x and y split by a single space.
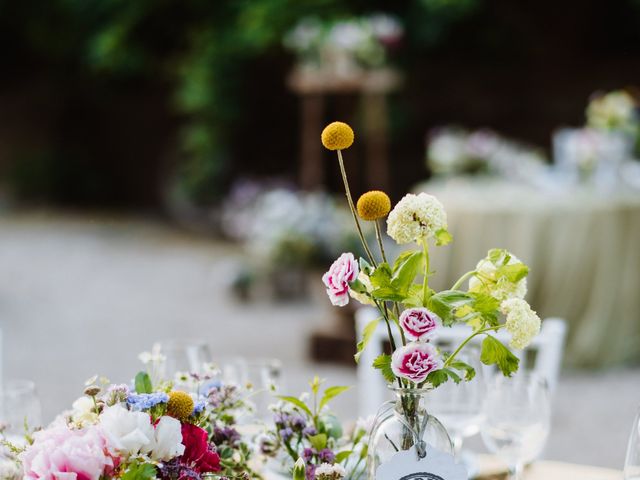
416 217
522 322
326 471
155 362
83 412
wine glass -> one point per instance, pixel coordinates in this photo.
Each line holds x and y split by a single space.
517 415
632 462
185 356
459 407
19 407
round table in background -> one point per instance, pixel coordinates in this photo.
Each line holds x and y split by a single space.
582 247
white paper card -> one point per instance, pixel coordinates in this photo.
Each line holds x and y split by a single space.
436 465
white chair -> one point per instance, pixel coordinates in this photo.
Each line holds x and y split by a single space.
547 349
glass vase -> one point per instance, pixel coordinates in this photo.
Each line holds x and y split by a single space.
403 424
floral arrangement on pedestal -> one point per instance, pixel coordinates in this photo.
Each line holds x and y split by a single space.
142 431
487 299
345 47
305 428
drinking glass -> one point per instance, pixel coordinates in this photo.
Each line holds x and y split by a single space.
517 418
19 406
459 407
262 377
632 462
185 356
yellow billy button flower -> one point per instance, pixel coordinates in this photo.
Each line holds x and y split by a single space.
180 405
337 136
373 205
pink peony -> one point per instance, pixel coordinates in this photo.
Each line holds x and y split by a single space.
419 323
415 361
61 453
343 271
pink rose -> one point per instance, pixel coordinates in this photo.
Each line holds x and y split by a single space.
62 453
415 361
419 323
343 271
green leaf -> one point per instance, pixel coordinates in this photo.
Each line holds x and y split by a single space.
437 378
331 393
340 456
143 383
388 294
405 270
297 402
495 353
487 306
381 276
383 363
467 370
446 302
514 272
414 296
318 441
367 333
358 286
140 471
365 266
443 237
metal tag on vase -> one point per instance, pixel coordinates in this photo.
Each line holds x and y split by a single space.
407 465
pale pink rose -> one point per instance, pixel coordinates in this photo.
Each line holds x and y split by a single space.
61 453
419 323
415 361
343 271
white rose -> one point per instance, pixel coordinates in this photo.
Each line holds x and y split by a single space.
127 432
167 440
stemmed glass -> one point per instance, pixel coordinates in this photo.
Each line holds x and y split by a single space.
517 420
19 407
185 356
459 407
632 462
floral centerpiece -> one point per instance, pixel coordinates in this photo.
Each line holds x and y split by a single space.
487 299
140 432
305 428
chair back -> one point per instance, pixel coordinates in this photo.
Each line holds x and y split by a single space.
543 356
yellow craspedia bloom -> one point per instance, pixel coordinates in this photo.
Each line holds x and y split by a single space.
180 405
373 205
337 136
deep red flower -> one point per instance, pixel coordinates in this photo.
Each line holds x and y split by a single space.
198 452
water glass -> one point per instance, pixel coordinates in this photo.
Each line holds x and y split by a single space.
632 462
459 407
19 407
261 376
517 415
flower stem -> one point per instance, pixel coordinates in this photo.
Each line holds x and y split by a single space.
353 209
425 282
380 242
467 340
462 279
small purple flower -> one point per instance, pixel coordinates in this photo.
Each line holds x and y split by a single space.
286 433
199 407
298 422
308 454
327 456
311 472
226 435
310 431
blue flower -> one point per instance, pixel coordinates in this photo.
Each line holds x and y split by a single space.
145 401
199 407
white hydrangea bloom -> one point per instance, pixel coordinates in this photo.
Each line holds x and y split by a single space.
416 217
326 471
489 281
522 322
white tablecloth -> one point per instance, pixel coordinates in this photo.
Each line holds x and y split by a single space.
582 246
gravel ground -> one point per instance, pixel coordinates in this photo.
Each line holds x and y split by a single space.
81 295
